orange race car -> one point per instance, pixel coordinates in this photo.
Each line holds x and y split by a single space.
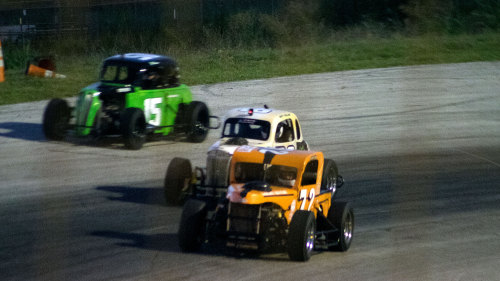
262 127
276 200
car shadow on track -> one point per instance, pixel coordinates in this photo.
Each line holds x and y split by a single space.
168 242
34 132
116 142
159 242
165 242
21 130
142 195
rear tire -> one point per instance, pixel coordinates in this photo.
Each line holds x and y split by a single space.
56 119
133 128
342 216
197 118
177 184
192 225
301 235
329 178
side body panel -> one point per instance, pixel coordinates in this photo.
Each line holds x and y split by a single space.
323 202
160 106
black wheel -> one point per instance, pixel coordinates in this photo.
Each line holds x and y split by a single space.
329 178
177 183
192 225
197 121
301 235
56 119
133 128
342 216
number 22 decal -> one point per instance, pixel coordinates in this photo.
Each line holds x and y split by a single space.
303 196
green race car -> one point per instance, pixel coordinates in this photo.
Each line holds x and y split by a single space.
138 95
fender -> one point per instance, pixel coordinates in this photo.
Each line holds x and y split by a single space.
87 106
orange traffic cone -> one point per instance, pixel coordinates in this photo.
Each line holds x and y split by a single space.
37 71
2 66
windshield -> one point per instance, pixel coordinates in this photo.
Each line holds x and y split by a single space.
246 128
277 175
118 73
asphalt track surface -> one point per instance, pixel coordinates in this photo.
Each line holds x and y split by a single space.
419 148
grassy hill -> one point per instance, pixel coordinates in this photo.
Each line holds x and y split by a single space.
212 65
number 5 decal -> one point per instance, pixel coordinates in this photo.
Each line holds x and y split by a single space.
302 197
152 112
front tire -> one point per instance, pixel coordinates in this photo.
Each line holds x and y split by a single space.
192 225
56 119
133 127
177 182
342 216
301 235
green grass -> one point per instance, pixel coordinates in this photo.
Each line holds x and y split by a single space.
220 65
